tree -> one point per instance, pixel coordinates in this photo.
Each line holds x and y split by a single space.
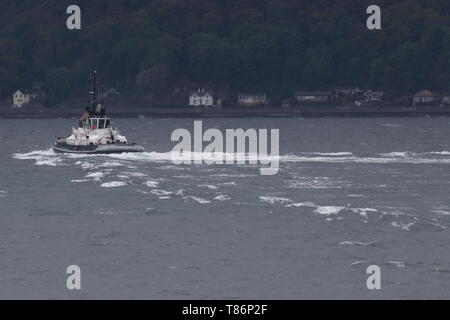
57 87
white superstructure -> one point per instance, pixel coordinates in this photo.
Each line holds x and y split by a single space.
95 131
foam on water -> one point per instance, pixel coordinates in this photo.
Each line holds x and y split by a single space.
441 153
233 175
399 154
398 264
364 211
97 176
49 157
391 125
198 199
329 210
135 174
356 243
113 184
360 262
442 212
119 165
366 160
85 165
231 183
357 196
152 184
34 154
341 211
109 164
272 200
316 183
301 204
208 186
42 157
157 192
222 197
331 154
403 226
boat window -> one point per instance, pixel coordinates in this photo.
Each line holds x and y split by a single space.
94 124
101 123
107 123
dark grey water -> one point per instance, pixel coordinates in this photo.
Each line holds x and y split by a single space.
350 193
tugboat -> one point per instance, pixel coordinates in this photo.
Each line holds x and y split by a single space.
95 134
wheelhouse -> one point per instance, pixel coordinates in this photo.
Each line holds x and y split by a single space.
99 123
96 123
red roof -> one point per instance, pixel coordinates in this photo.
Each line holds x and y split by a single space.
425 93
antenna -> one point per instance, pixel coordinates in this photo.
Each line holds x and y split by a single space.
93 92
103 104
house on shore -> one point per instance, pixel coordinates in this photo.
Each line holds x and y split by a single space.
20 99
313 97
369 98
426 98
201 97
445 99
252 99
346 91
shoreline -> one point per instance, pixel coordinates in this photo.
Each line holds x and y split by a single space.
214 112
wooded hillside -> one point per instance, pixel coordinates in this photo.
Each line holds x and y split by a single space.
275 46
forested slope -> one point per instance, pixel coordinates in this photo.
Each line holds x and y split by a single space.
276 46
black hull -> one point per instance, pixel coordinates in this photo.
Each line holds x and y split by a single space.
62 147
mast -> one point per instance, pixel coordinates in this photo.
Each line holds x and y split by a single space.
96 108
93 92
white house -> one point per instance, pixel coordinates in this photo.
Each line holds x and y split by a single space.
445 100
369 98
313 97
19 99
346 91
251 99
425 97
201 97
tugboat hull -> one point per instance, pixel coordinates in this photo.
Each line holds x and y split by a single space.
62 147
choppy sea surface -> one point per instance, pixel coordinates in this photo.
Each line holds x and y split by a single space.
350 193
